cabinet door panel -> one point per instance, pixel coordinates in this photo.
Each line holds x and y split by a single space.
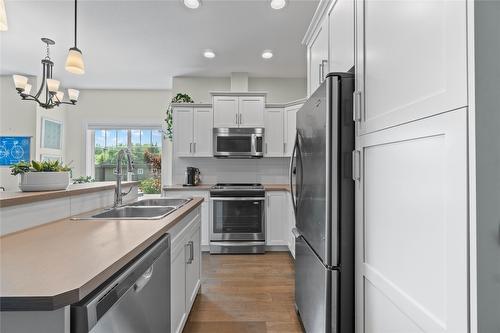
276 219
225 111
274 133
203 132
178 288
318 58
290 128
183 131
414 226
291 224
251 111
193 267
410 70
341 28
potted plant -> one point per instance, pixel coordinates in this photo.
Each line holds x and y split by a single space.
41 176
179 98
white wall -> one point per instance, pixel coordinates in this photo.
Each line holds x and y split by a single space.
280 90
23 118
127 107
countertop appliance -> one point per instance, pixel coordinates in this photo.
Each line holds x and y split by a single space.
323 199
136 299
238 142
192 176
238 218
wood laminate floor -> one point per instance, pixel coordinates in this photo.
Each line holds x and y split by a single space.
245 294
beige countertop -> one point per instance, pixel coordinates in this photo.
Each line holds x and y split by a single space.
206 187
18 198
59 263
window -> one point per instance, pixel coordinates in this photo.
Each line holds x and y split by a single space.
144 144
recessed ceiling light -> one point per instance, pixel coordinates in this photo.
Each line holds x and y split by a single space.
192 4
278 4
209 54
267 54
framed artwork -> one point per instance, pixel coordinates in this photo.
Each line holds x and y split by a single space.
50 157
52 131
14 149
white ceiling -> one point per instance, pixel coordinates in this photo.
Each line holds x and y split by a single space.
143 44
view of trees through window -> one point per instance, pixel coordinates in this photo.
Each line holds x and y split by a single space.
145 146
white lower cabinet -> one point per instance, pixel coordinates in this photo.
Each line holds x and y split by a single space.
185 268
291 224
276 218
205 210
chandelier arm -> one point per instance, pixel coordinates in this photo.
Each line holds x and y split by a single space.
69 103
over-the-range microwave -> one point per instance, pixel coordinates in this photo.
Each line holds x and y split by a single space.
238 142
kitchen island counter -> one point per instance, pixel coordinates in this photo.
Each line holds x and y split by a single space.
57 264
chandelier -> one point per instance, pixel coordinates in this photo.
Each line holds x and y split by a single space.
48 96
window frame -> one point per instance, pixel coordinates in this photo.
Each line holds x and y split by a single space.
89 139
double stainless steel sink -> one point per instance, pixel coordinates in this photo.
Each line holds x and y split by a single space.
147 209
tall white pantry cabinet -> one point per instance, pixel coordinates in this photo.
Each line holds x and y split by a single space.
413 164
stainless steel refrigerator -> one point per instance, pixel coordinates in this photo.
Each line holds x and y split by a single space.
323 198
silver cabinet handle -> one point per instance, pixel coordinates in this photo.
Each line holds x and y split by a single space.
320 74
284 147
356 165
194 147
191 245
241 118
190 147
356 112
323 63
236 119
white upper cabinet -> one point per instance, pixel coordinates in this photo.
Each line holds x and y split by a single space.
183 131
273 135
202 132
251 111
341 36
410 60
290 127
238 111
317 53
225 111
193 131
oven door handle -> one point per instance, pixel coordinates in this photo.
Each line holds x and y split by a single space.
238 199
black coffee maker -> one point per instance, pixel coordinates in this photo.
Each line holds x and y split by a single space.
192 176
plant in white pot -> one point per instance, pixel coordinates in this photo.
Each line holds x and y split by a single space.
41 176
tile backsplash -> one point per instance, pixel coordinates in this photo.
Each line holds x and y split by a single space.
213 170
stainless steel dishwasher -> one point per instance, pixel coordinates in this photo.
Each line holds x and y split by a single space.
135 300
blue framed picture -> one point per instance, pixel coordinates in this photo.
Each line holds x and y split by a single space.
14 149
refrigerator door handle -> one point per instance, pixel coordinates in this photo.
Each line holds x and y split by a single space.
294 205
296 233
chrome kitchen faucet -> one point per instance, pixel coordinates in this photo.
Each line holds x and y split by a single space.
118 172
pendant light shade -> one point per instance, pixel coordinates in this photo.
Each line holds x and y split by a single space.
3 17
74 61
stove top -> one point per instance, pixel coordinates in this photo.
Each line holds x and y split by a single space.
237 186
237 190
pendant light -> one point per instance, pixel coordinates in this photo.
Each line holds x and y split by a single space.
74 61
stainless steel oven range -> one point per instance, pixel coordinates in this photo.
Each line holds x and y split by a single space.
238 218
